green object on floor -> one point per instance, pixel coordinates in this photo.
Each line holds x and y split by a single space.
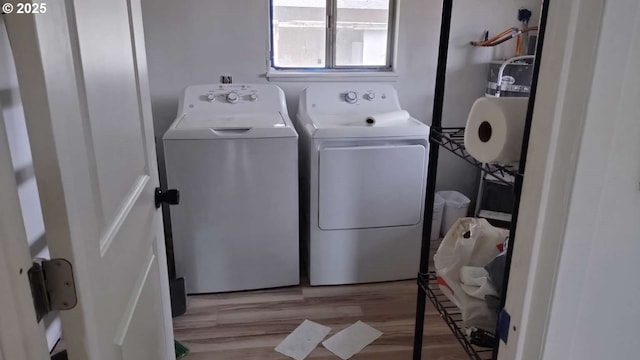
181 350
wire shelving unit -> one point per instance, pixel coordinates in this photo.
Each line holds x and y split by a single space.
452 139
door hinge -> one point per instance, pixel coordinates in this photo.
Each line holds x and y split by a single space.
504 321
52 286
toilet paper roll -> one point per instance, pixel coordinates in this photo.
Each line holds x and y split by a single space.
384 118
495 128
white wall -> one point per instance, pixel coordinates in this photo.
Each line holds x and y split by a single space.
21 157
595 307
195 41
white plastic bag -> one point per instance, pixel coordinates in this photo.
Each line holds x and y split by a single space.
469 242
475 282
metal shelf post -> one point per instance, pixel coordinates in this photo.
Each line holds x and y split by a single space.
436 122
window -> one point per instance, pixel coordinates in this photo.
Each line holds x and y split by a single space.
332 34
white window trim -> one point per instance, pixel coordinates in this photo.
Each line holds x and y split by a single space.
363 73
331 75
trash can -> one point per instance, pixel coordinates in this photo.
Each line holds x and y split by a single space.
456 206
436 222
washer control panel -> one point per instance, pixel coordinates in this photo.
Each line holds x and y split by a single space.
231 94
232 99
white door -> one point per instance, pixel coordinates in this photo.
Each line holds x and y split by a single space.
83 79
573 290
21 337
594 304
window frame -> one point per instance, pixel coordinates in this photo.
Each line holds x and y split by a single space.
331 36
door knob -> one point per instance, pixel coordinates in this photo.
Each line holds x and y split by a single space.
169 197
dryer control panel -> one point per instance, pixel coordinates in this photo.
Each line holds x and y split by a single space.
352 96
349 98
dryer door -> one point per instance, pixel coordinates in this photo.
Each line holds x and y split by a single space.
371 186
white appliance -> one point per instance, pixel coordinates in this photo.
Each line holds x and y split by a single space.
232 153
362 186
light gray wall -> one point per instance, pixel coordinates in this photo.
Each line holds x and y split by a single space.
195 41
12 112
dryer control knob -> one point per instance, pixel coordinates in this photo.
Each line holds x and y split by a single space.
369 96
253 97
232 98
351 97
211 97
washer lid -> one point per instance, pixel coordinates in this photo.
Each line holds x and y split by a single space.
235 121
218 126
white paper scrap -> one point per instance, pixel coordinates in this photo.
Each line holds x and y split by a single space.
301 342
351 340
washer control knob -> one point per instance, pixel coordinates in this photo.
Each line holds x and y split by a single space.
351 97
253 97
369 96
232 98
211 97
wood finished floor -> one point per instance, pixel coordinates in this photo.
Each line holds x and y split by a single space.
249 325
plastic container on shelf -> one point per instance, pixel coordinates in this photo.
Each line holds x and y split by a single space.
436 222
456 206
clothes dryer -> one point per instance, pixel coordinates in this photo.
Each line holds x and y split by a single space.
363 184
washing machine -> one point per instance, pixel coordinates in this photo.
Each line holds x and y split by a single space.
362 185
232 153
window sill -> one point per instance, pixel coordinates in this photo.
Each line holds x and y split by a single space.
331 76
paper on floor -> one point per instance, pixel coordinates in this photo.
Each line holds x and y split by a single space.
301 342
351 340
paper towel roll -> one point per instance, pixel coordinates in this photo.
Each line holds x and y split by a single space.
495 128
381 119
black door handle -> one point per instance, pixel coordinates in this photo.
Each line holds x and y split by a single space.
169 197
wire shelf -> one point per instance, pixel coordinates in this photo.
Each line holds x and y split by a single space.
451 316
452 139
